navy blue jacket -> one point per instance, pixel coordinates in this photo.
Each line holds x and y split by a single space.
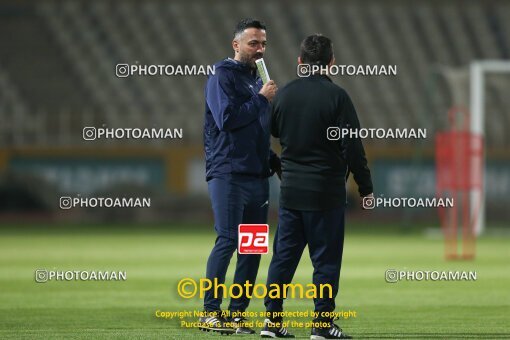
237 123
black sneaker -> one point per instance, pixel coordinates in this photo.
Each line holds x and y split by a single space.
331 332
274 330
240 325
214 322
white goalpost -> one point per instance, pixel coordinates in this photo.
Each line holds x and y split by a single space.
478 71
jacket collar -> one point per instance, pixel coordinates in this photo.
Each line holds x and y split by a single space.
320 77
244 67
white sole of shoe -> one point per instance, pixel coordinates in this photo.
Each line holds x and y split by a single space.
223 331
267 334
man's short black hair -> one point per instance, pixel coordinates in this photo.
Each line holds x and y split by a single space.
248 23
316 49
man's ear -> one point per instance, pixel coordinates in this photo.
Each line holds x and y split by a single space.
332 61
235 45
299 60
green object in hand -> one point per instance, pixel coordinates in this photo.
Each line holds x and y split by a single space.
261 67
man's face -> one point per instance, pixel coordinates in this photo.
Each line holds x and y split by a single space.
250 46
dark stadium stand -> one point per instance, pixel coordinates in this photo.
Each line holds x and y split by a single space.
60 57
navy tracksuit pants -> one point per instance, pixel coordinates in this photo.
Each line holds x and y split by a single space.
323 232
235 199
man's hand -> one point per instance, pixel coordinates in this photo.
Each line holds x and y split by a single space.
269 90
368 202
279 174
275 164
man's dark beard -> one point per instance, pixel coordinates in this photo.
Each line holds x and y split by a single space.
248 60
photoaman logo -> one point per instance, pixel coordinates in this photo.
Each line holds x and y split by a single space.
253 239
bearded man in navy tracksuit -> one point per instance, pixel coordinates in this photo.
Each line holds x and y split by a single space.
238 164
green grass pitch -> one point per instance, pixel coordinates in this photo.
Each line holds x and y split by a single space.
156 259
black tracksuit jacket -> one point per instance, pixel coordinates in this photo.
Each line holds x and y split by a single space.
315 168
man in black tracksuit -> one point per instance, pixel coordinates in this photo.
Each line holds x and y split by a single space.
315 167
